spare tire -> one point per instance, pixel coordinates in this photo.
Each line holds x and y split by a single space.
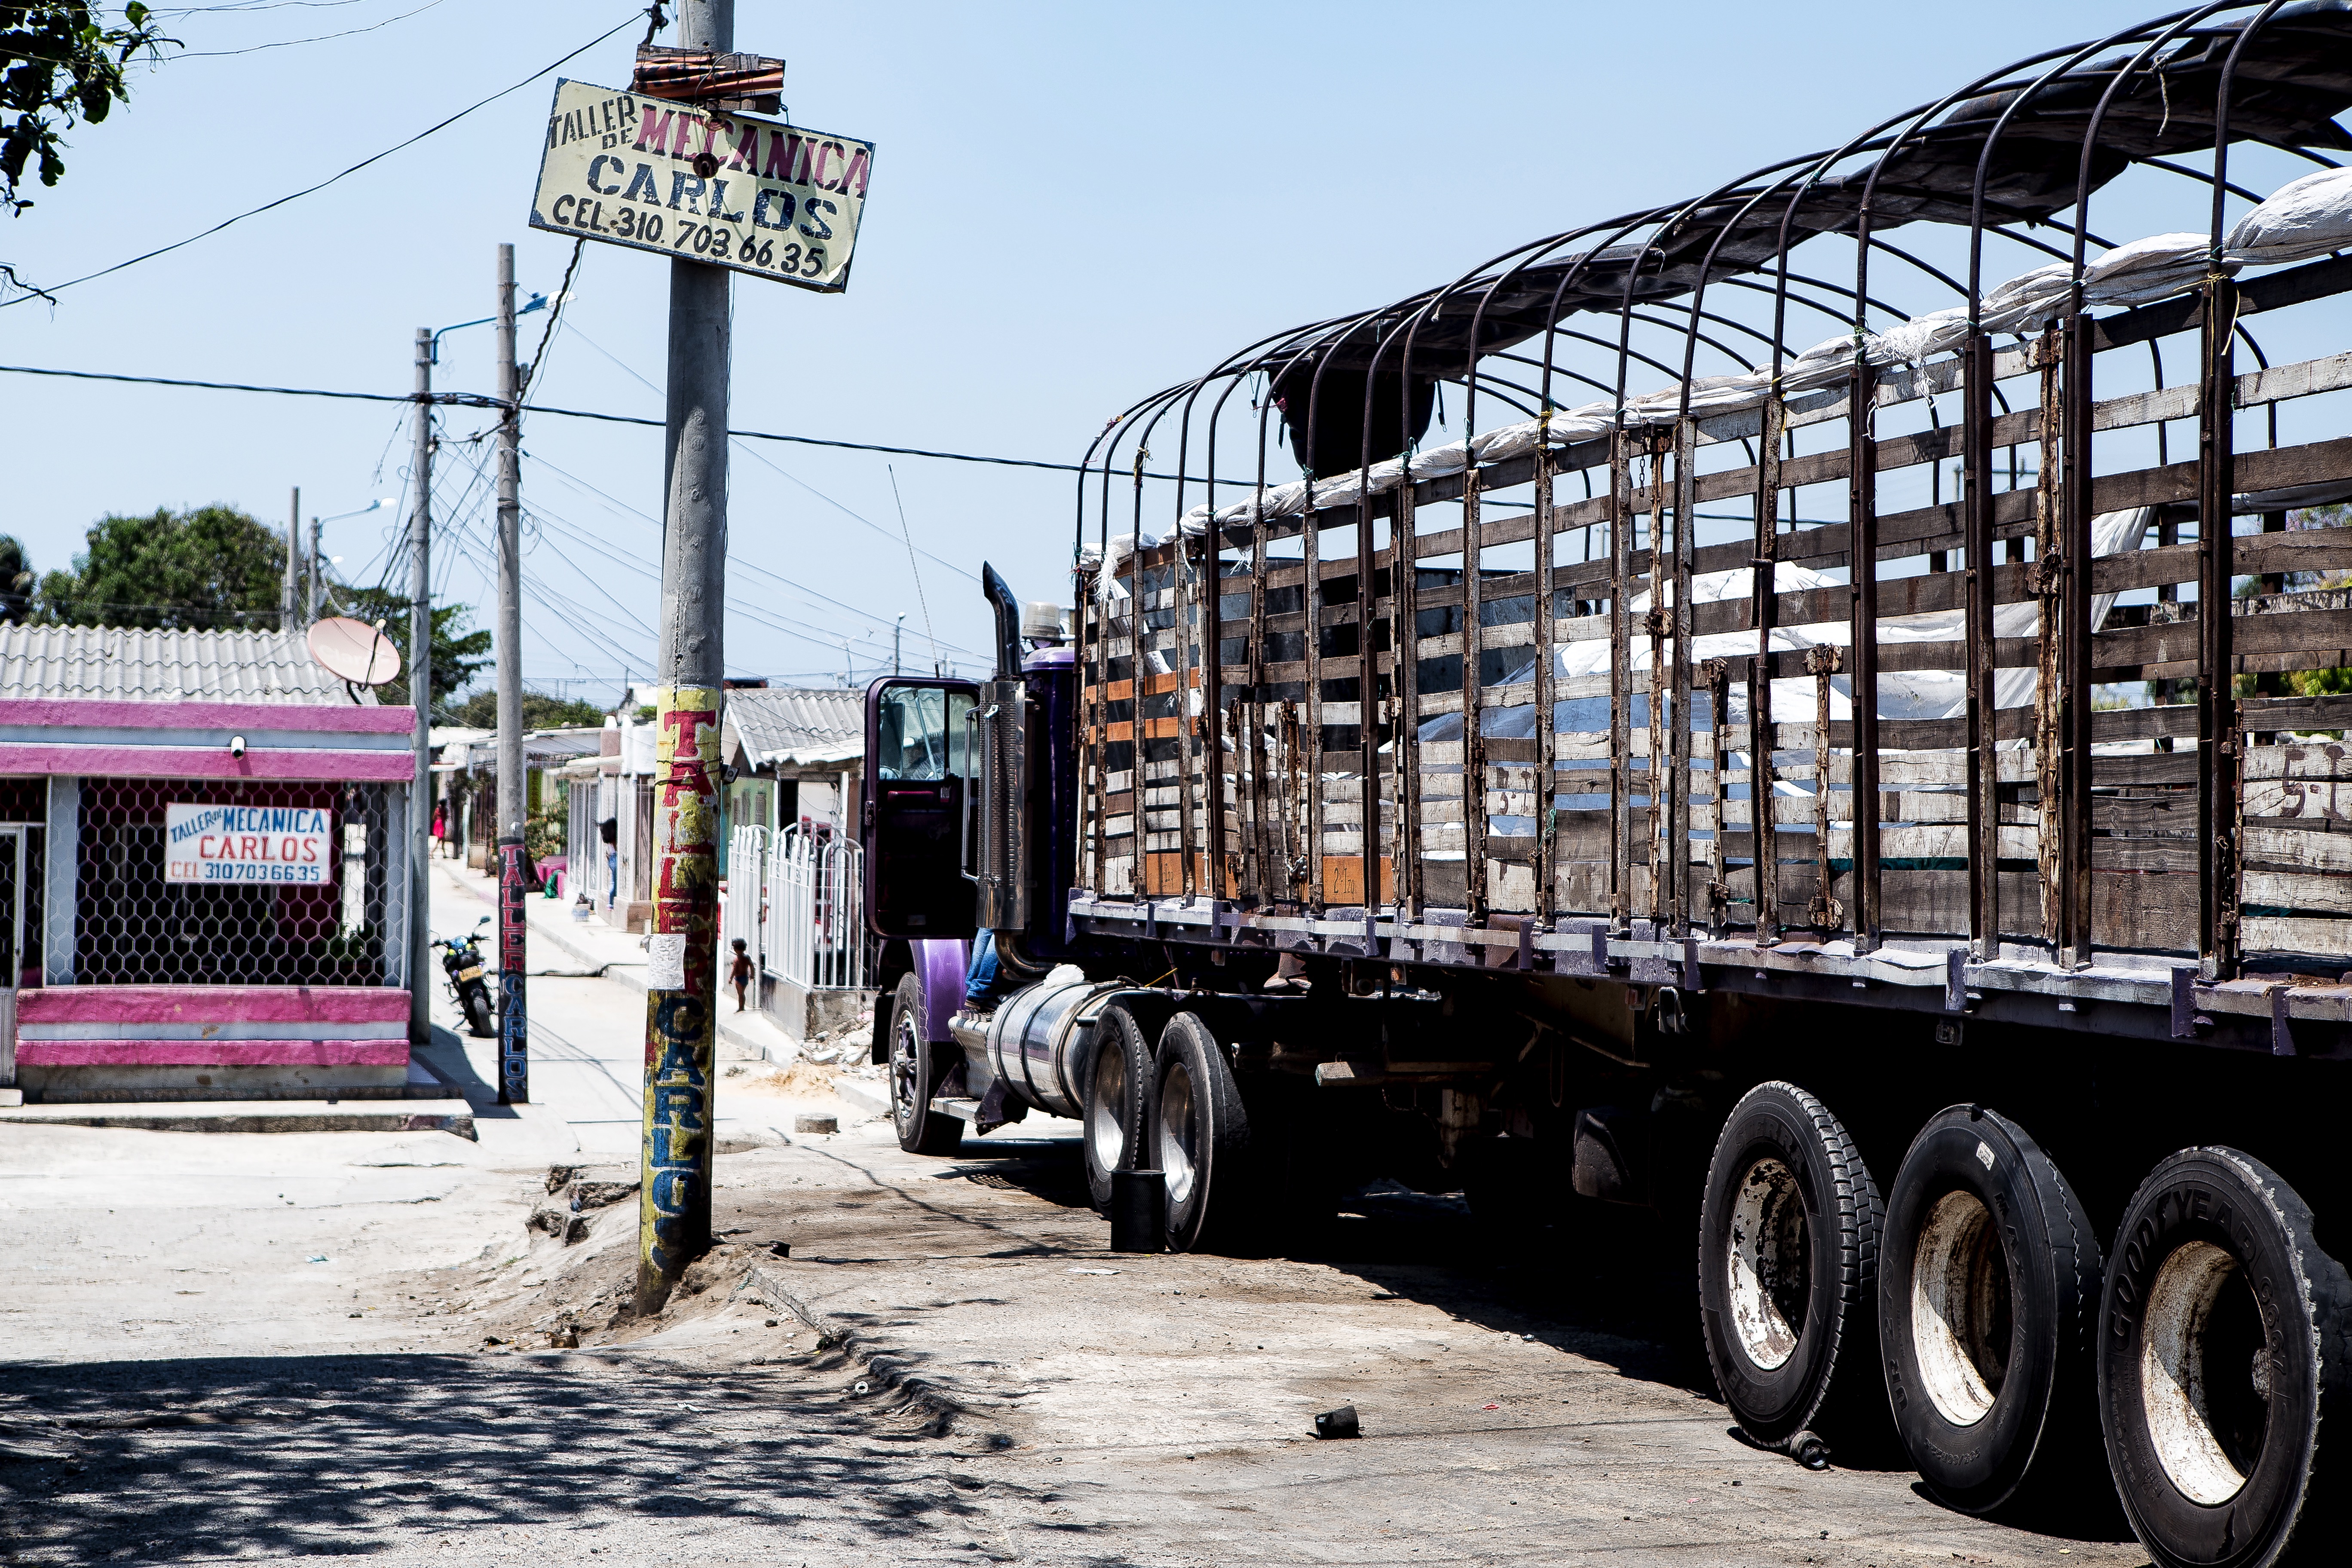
1988 1293
1116 1085
2225 1360
1788 1269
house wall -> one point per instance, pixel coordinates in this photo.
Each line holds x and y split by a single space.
129 992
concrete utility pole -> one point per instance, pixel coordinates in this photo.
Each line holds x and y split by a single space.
290 600
514 880
673 1201
420 690
314 567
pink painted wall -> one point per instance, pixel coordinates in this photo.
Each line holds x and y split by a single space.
211 1053
224 1005
349 720
203 761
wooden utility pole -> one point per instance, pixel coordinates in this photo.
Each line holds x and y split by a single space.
674 1201
420 691
514 875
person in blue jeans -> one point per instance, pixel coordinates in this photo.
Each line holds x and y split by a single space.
980 977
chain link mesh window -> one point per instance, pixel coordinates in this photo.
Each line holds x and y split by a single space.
136 928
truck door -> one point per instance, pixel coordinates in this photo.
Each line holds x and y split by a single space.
919 768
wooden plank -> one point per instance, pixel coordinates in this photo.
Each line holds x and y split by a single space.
2303 892
2296 933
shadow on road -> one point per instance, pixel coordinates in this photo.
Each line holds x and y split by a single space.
168 1460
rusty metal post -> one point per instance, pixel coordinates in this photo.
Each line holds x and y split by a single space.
1310 603
2049 574
1621 728
673 1199
2217 726
1405 586
2076 567
1547 778
1862 557
1764 608
1474 743
1977 527
1680 905
1367 686
1659 624
1140 862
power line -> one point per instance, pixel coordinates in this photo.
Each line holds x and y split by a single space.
323 38
308 190
476 400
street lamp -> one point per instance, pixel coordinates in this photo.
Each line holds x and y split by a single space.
536 302
317 583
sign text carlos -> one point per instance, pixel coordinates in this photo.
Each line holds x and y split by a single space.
754 195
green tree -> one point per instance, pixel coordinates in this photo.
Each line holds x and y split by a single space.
59 62
539 711
212 568
458 654
17 579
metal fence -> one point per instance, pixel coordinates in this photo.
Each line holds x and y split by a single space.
134 926
743 916
816 915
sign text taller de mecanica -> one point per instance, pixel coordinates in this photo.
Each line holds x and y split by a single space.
754 195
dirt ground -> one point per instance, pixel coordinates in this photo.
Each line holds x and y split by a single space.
948 1367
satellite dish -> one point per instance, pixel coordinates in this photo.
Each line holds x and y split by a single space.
353 650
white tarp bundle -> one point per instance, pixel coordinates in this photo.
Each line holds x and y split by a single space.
2310 217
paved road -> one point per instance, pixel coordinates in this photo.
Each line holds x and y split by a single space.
186 1377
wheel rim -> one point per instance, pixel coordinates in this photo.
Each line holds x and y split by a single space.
2205 1373
1178 1132
1106 1109
904 1065
1961 1317
1771 1266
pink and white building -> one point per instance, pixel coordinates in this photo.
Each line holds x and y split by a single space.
205 873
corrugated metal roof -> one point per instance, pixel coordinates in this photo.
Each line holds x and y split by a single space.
798 727
540 748
99 662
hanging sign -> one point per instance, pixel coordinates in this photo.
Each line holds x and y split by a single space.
247 844
757 195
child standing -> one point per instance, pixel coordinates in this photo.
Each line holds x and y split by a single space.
740 972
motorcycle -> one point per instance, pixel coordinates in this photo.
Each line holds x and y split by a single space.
462 963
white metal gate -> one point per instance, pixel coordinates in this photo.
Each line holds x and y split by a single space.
741 917
816 915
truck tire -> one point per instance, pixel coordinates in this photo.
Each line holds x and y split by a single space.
1201 1139
1788 1271
1988 1296
2225 1353
1117 1084
914 1072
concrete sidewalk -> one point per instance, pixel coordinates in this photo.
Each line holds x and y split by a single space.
591 950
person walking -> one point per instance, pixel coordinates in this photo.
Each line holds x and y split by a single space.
440 826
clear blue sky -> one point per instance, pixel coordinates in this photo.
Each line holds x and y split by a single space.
1071 206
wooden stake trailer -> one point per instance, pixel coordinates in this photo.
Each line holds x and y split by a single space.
1407 821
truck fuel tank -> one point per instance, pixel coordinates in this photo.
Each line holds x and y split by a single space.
1037 1038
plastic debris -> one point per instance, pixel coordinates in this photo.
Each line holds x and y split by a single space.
1339 1423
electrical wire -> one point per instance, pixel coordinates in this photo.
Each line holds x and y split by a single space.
477 400
732 559
51 291
321 38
